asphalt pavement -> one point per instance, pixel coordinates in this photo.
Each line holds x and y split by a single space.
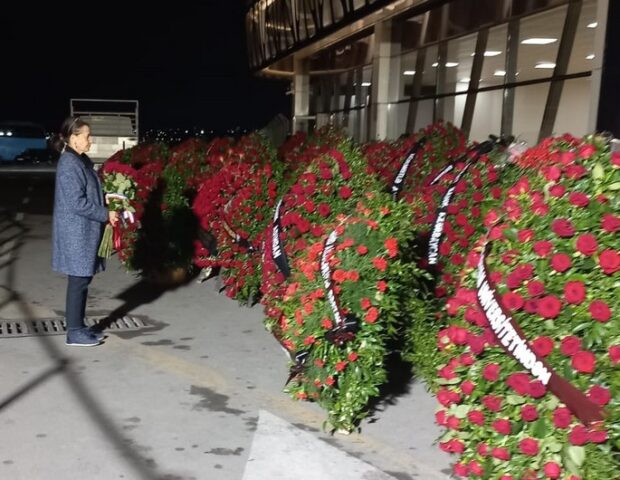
195 393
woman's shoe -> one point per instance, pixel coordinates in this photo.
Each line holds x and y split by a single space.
81 338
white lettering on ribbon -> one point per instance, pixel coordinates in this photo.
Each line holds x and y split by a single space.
504 329
326 274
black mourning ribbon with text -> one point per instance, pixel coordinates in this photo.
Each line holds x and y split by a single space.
510 336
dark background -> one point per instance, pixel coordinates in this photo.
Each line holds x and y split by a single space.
185 63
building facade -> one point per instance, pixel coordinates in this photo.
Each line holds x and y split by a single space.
380 69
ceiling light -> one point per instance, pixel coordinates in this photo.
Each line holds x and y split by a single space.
499 73
366 84
545 65
448 64
409 72
489 53
464 80
539 41
590 57
593 25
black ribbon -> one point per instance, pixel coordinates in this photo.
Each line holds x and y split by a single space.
347 325
512 339
299 366
442 211
277 249
399 179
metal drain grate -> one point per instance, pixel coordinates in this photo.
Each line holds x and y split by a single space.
57 326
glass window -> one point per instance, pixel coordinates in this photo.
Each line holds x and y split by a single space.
539 39
529 107
574 108
582 54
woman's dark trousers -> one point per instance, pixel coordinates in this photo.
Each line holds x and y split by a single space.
77 291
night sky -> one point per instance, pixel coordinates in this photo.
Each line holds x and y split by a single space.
186 64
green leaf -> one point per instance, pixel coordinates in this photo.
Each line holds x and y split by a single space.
577 454
598 171
461 411
515 400
540 429
614 186
554 446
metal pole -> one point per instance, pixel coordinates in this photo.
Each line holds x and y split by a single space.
561 67
474 81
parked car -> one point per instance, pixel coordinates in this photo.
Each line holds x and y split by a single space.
24 142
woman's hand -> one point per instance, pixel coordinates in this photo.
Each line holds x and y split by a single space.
113 217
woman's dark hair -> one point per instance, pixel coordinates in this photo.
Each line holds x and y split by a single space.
70 126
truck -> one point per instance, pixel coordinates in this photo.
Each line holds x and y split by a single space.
114 125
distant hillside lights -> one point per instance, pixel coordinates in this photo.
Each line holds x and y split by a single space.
174 135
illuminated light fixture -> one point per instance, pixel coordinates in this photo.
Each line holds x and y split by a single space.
464 80
539 41
366 84
447 64
593 25
489 53
409 72
547 65
590 57
499 73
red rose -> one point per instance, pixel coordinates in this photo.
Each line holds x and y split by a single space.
529 413
598 436
379 263
549 307
574 292
578 199
610 223
552 470
391 244
614 354
352 356
575 171
345 192
324 209
500 453
440 418
371 315
525 235
537 389
584 361
519 382
542 248
476 468
560 262
531 305
563 228
587 244
535 288
528 446
570 345
502 426
562 417
461 470
467 387
362 250
552 173
599 395
365 303
557 191
609 261
453 423
492 403
600 311
542 346
578 435
587 150
491 372
512 301
476 417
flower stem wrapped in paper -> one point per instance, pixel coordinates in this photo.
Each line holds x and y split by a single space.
120 190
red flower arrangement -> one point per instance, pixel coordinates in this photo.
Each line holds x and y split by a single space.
553 265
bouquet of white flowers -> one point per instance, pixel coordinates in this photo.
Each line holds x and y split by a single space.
120 189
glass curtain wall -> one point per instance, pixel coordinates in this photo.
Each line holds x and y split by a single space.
485 65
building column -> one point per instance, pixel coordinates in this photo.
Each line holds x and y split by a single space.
301 95
384 84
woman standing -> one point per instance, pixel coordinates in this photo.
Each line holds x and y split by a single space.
79 219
